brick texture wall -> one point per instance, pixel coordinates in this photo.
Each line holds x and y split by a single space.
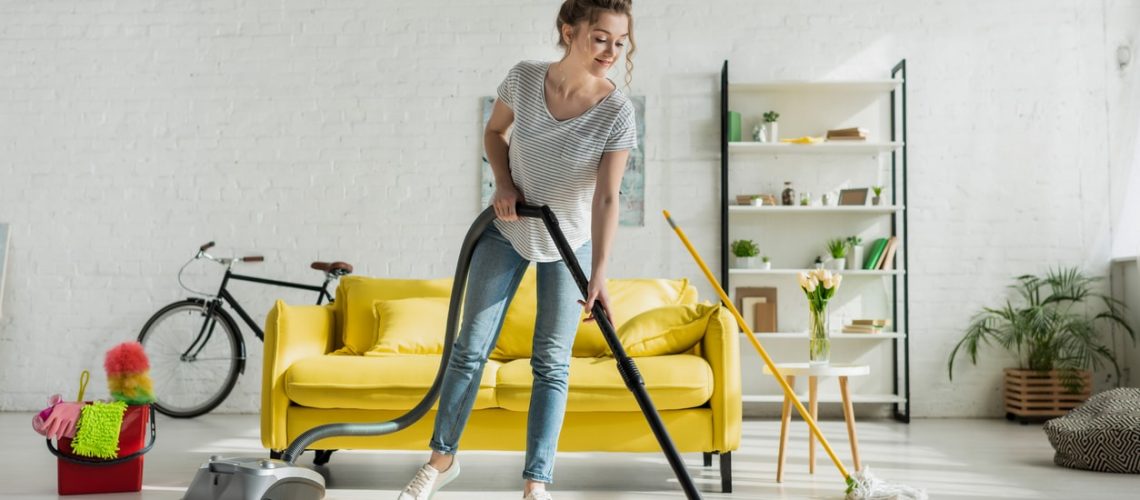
133 131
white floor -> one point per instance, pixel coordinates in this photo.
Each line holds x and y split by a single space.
949 458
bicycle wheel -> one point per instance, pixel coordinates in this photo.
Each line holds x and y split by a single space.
194 365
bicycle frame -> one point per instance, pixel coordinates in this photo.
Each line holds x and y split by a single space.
226 296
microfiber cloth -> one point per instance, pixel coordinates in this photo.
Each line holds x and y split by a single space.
98 433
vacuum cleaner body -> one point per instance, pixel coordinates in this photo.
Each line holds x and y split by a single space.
251 478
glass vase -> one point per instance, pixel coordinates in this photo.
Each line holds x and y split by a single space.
819 340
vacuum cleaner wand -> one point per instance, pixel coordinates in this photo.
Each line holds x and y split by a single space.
626 366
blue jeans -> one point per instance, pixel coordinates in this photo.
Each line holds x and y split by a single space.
494 276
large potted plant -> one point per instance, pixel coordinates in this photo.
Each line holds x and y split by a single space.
1055 336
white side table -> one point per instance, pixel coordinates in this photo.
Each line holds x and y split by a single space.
842 371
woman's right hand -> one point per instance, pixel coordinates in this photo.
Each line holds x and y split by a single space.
504 201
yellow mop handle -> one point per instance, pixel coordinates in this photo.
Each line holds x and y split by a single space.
760 349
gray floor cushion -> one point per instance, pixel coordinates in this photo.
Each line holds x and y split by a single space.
1103 434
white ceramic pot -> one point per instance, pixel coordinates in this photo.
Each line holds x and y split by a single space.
766 265
773 132
745 262
855 257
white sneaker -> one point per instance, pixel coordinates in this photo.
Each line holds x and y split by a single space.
428 480
538 495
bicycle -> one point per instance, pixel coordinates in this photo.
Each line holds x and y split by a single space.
193 364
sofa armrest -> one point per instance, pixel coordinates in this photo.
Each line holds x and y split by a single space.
292 333
721 348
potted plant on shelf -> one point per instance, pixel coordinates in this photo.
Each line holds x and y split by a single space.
770 118
765 263
854 252
1055 338
744 252
838 249
878 198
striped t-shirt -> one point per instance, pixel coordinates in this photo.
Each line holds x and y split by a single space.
554 162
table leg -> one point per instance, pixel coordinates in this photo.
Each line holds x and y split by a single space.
813 383
785 418
849 416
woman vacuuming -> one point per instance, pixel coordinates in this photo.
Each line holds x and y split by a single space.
572 133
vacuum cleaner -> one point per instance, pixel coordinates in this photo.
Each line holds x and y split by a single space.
279 479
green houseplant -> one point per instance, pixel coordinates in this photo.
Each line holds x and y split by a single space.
1051 332
837 247
744 252
770 118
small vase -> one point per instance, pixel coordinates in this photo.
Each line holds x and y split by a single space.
819 340
766 265
855 257
876 200
773 132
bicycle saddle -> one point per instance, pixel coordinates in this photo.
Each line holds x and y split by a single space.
338 268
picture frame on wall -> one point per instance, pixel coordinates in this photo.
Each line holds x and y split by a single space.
854 197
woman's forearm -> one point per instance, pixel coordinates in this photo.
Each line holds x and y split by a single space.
603 228
495 144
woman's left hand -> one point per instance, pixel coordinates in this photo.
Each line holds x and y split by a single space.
596 292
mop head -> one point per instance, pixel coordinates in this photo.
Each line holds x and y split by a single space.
862 485
98 434
128 374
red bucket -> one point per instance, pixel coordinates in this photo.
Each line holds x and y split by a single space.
82 475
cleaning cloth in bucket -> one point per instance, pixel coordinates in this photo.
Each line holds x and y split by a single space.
98 433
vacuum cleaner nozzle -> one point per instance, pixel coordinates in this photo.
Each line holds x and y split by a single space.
250 478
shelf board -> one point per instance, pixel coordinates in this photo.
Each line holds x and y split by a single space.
835 335
837 147
825 398
844 272
873 85
780 209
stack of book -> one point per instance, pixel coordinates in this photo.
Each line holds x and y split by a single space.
881 254
847 134
866 326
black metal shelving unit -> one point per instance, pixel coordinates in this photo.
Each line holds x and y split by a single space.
900 356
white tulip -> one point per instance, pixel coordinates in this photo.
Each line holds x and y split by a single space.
803 279
811 284
828 283
838 279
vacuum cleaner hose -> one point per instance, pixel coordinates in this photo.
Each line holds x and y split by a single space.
376 429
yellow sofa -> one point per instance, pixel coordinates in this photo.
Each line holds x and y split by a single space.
322 365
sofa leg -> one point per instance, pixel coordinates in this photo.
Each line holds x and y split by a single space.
708 458
726 472
322 457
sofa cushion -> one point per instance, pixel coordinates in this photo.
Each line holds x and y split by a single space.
356 294
665 330
628 298
410 326
674 382
373 382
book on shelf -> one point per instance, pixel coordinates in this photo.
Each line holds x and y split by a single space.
875 253
866 326
847 134
888 260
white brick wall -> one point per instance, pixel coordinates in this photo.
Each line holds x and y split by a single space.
133 131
